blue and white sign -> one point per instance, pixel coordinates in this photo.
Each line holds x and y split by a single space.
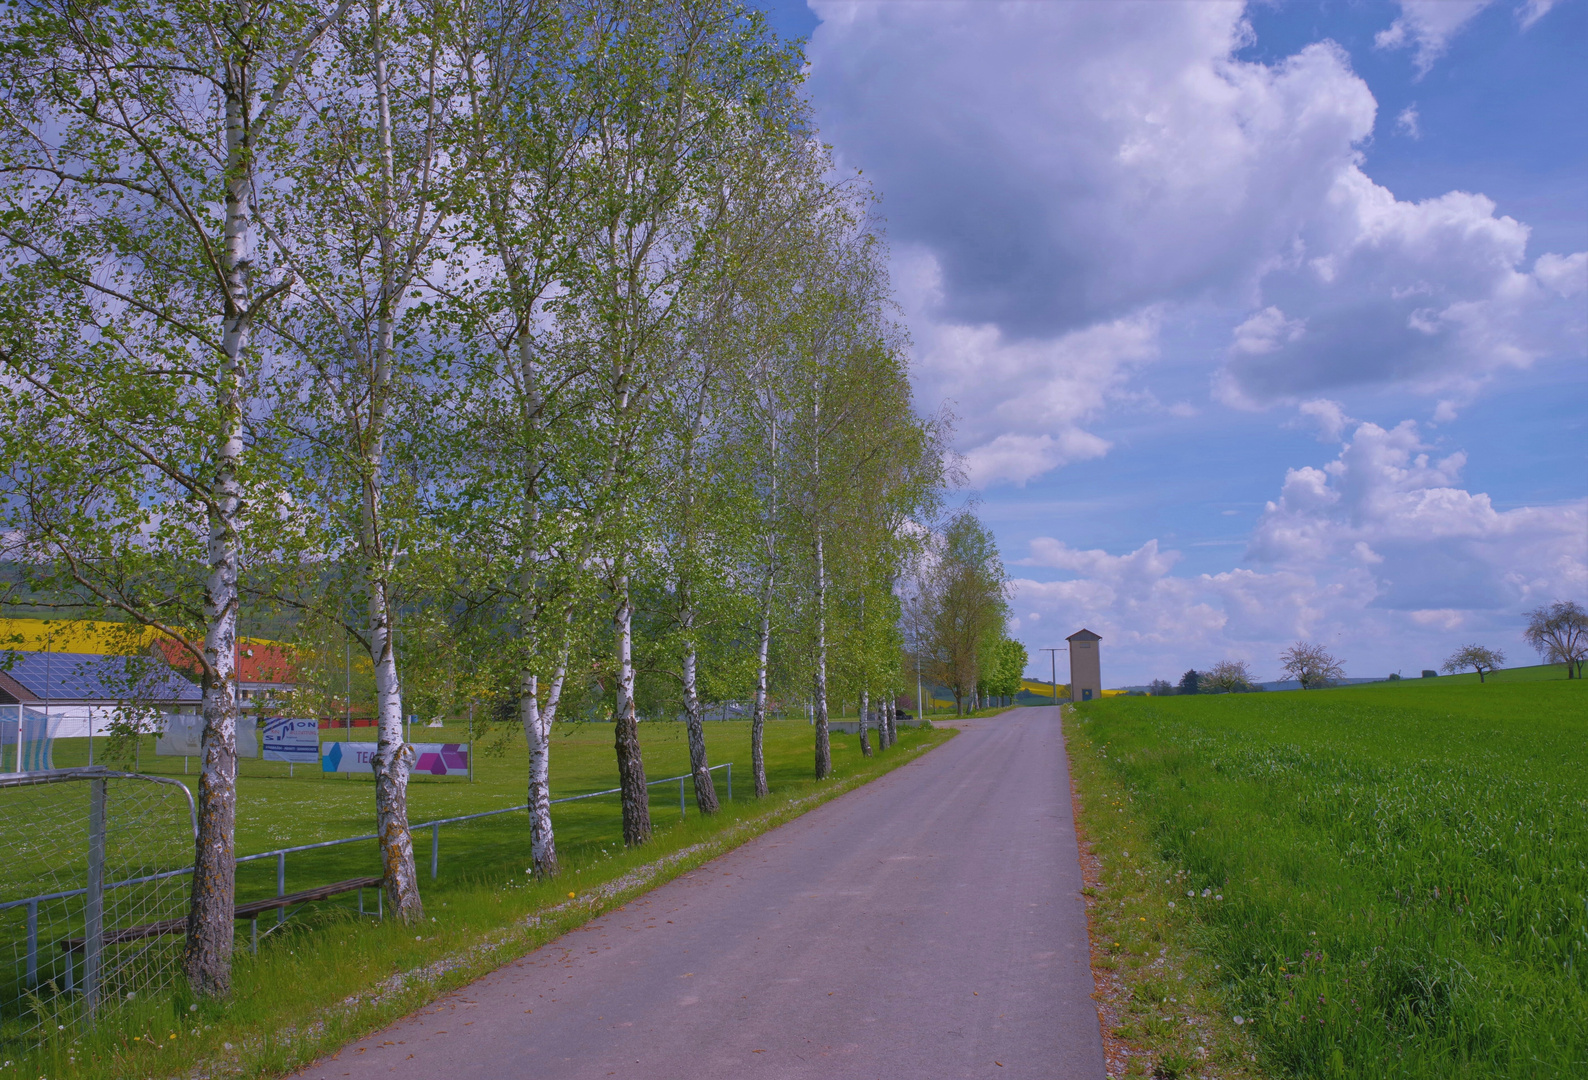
296 741
354 757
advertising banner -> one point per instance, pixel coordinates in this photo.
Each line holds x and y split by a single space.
437 759
27 740
296 741
442 759
184 734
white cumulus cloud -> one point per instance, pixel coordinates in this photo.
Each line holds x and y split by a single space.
1380 554
1066 183
1427 27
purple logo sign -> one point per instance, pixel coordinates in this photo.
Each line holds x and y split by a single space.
442 759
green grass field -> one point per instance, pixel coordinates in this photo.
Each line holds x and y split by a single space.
275 810
1403 866
290 1000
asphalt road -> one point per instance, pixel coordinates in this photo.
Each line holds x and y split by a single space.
927 925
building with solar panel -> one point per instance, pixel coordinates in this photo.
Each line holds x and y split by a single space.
79 692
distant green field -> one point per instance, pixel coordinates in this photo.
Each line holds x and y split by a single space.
1403 866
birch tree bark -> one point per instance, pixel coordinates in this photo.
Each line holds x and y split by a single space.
865 718
758 715
824 748
631 762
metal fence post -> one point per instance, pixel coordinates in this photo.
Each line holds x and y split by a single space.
435 849
730 781
681 811
281 886
33 942
94 902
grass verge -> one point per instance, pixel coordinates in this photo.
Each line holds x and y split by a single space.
1157 993
329 976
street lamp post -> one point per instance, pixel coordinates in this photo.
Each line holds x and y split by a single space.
1053 655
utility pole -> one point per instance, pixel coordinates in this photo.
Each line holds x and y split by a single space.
1053 655
919 707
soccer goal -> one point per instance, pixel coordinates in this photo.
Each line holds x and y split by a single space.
90 859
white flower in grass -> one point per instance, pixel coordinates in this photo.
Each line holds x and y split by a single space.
1207 892
1191 893
1239 1020
1171 903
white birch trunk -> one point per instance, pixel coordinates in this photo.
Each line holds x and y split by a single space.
824 749
626 738
758 717
393 756
537 721
537 732
393 760
699 767
207 953
865 715
764 642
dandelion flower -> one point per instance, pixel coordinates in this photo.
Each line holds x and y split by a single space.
1220 896
1207 892
570 896
1191 893
1171 903
1238 1020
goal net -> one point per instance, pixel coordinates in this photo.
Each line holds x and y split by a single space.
94 886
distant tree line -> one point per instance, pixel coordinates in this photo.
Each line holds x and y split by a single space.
956 605
1558 631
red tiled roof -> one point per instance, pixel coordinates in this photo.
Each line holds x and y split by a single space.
257 661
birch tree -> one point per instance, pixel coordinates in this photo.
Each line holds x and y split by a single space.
689 86
533 95
371 189
132 136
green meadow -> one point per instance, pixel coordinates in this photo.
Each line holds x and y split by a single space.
1391 879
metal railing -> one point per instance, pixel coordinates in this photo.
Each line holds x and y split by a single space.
280 854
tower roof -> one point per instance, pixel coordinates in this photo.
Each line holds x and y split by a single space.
1084 634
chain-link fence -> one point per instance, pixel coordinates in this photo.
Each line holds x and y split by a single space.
94 869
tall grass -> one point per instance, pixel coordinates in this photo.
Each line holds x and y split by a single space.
1403 868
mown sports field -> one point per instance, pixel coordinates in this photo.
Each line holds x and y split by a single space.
1383 881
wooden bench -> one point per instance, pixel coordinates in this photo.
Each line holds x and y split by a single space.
250 911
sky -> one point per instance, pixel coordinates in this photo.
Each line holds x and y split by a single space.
1262 322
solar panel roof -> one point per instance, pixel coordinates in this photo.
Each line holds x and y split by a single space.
92 677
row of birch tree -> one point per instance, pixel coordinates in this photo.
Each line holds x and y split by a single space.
539 335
